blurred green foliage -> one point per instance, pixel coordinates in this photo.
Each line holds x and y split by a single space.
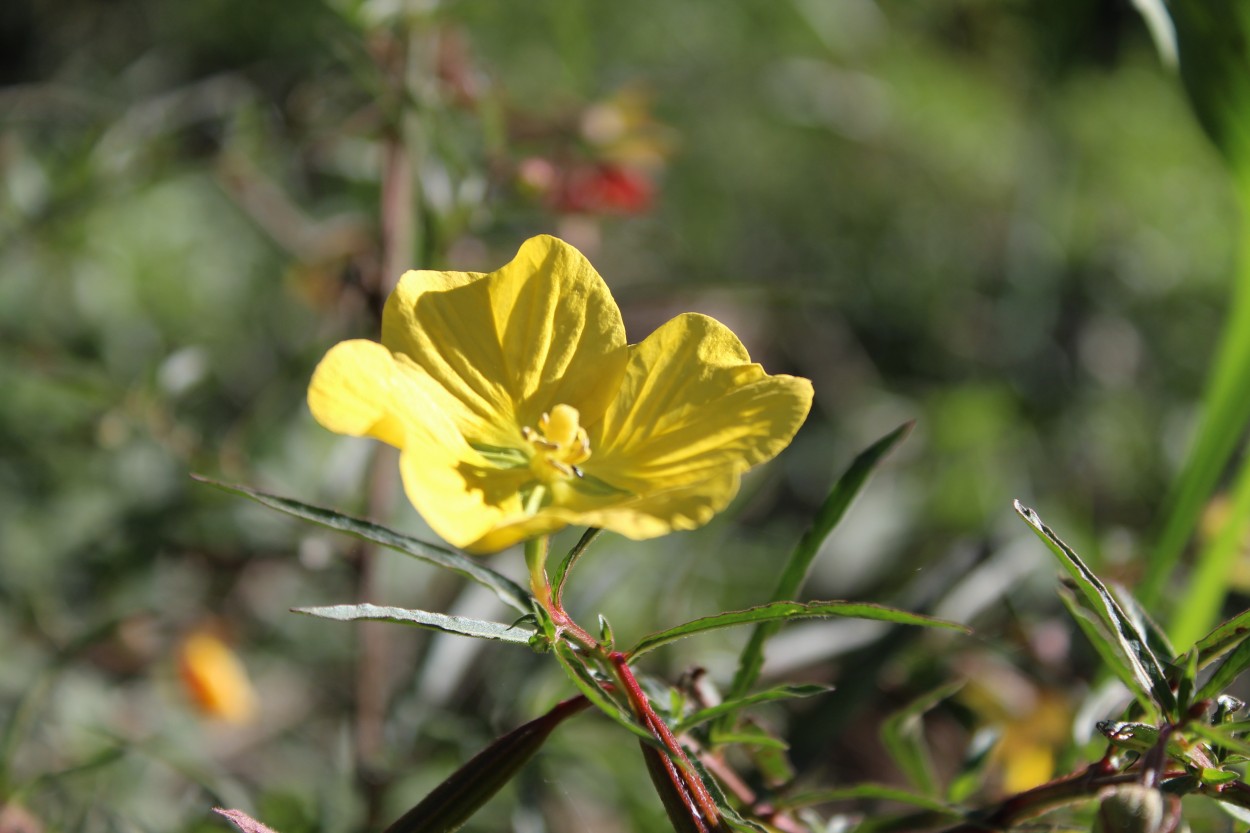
997 218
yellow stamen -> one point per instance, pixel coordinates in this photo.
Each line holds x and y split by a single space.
559 444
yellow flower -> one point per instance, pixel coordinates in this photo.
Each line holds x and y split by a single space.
519 408
215 678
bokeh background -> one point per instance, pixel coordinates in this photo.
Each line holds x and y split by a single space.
998 219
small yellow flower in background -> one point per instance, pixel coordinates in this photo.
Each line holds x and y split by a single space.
519 407
215 678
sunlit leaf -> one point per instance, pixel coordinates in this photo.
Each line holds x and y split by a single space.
479 628
566 565
1145 623
795 572
1104 644
508 591
1147 670
1226 672
789 611
1223 638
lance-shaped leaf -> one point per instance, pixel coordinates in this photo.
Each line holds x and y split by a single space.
878 792
1223 638
1227 671
1105 645
1147 670
788 611
785 692
671 787
730 818
508 591
795 572
452 802
478 628
566 566
902 733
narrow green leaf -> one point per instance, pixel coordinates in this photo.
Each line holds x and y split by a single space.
1226 636
879 792
1156 638
902 733
752 736
566 565
674 794
1147 671
1227 671
593 690
508 591
790 582
975 765
479 628
1227 736
1108 651
784 692
456 799
789 611
730 817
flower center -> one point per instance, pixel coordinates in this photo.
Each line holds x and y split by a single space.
558 445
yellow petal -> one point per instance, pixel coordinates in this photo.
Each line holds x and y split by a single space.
693 414
508 346
352 392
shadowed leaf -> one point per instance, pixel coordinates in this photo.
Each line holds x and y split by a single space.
902 733
455 800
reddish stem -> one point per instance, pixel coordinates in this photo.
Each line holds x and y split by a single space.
642 707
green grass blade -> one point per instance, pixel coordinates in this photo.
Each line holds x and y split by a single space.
460 625
1146 668
795 572
788 611
1225 413
1200 607
508 591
